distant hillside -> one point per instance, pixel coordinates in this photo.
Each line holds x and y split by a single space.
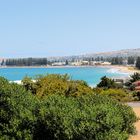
120 53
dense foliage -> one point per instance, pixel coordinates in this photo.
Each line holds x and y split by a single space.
26 62
117 61
117 94
131 60
138 63
24 115
87 118
16 111
107 83
56 84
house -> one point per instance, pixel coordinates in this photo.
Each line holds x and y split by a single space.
76 63
137 85
85 62
58 64
106 63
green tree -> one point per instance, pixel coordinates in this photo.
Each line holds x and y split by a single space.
66 63
135 77
138 63
117 61
131 60
3 62
107 83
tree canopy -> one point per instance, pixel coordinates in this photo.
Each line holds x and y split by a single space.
106 83
57 116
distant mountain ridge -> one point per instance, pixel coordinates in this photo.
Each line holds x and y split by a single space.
120 53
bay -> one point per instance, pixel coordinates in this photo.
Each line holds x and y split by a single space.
91 75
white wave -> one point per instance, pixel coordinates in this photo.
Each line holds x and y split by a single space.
16 81
92 85
113 71
117 71
19 81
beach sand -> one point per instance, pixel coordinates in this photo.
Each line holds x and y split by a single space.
137 125
126 69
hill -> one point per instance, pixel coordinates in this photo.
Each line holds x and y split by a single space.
120 53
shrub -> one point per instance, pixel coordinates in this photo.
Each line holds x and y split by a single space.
92 117
57 117
107 83
118 94
16 111
136 95
57 84
29 84
98 90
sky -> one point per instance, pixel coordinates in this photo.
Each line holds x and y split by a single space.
44 28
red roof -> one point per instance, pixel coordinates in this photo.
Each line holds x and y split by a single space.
137 83
137 88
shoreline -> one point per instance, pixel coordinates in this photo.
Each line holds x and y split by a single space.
120 68
125 69
84 66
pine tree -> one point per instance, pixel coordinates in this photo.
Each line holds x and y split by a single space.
3 62
131 60
66 62
138 63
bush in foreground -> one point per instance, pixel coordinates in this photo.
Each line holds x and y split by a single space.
16 111
58 117
92 117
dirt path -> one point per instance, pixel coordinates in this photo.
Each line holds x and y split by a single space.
136 108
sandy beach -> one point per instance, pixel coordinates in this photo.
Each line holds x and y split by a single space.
136 108
125 69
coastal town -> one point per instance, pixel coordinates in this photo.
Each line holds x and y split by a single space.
74 62
123 57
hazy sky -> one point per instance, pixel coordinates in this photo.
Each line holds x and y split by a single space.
41 28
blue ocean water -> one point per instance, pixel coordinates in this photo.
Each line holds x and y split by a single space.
91 75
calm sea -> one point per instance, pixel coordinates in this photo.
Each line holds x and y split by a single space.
91 75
